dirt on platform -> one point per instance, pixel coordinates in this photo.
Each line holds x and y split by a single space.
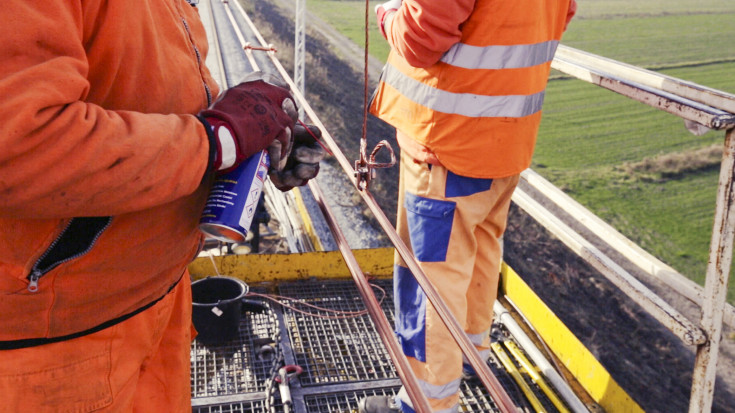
648 361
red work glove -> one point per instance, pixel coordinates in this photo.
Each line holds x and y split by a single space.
384 10
257 114
303 163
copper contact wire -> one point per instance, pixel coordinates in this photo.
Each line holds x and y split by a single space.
382 325
495 389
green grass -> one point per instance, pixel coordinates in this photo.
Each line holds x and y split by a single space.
348 17
658 40
589 134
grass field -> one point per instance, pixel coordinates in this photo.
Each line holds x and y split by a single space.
590 137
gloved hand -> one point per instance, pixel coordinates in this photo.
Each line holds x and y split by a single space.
303 163
258 113
384 10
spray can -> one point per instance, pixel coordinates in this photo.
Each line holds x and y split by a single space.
233 200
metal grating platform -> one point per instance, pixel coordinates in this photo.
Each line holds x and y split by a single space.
239 407
238 366
344 401
337 350
342 359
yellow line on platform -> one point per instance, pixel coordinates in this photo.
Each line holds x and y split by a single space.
255 268
575 356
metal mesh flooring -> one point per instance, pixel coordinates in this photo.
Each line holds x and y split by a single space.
337 350
237 366
343 359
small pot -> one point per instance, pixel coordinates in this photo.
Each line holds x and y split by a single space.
217 306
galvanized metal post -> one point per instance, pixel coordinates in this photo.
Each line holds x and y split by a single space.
300 50
715 288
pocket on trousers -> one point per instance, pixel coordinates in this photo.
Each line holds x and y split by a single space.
80 386
429 225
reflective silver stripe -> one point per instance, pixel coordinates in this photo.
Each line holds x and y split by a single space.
435 391
484 354
477 339
465 104
403 395
500 57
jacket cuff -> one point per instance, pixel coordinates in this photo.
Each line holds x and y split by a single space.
212 145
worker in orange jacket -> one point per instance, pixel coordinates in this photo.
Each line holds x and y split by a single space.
463 86
110 136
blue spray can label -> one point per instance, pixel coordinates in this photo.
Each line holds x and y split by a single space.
233 200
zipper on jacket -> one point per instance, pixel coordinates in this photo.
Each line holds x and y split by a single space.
75 240
199 60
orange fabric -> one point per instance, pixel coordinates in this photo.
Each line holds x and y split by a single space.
139 365
422 30
480 147
467 280
97 119
415 150
477 148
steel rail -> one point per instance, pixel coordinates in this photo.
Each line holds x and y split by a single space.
711 117
297 240
636 255
403 368
672 319
495 389
383 327
689 90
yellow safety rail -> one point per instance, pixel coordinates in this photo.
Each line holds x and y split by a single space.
576 357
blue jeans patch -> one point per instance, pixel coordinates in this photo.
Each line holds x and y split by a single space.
410 308
458 185
429 225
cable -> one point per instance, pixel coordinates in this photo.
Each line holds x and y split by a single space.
341 314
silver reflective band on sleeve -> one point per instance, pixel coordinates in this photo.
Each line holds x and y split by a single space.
500 57
465 104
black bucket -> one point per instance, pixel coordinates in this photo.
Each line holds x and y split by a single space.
217 303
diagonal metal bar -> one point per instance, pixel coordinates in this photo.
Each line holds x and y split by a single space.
420 402
483 371
496 390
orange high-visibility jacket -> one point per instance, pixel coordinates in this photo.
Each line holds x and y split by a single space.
466 79
96 121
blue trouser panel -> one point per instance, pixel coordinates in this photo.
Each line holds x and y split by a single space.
410 308
452 224
436 216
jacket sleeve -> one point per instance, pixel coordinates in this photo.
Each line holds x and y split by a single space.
571 12
421 31
61 156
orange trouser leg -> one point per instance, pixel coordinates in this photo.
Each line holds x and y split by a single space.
139 365
452 225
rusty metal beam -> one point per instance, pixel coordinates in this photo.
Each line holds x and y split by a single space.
631 251
687 331
689 90
715 288
711 117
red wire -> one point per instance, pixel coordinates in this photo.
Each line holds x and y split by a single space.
340 314
315 137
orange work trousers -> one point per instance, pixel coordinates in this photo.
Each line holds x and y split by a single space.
139 365
453 225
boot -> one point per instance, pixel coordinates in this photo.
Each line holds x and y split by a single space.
378 404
